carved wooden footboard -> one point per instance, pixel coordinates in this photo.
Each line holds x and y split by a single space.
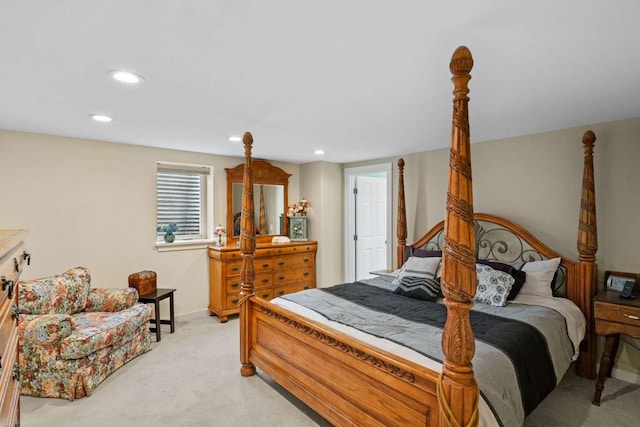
343 379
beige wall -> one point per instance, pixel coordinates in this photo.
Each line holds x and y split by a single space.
93 204
321 184
536 181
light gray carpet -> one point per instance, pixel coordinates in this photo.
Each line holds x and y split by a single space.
192 378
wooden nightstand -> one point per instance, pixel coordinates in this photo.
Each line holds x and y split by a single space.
613 316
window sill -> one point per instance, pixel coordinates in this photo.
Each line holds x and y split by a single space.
184 245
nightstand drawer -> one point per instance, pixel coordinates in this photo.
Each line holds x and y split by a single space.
618 313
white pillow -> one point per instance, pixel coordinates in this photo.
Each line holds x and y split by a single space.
539 277
493 286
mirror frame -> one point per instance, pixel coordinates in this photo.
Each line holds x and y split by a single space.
263 173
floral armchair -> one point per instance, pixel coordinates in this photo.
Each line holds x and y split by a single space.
72 337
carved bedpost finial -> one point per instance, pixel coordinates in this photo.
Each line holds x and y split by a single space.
401 226
457 389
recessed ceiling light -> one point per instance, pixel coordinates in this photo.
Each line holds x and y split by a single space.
235 139
127 77
318 152
101 118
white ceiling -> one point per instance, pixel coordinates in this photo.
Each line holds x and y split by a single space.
361 79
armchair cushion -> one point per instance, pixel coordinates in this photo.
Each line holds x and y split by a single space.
65 293
48 328
97 330
111 300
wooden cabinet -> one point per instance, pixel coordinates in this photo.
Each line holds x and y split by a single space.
613 316
281 269
13 258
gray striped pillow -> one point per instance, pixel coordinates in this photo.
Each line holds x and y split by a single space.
417 278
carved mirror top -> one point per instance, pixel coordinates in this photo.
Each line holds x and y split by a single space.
263 173
271 193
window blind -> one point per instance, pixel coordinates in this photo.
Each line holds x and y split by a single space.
180 195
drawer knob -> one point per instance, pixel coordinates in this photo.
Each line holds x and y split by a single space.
306 273
234 301
265 296
632 317
280 277
235 285
306 260
280 292
265 280
234 268
280 263
265 265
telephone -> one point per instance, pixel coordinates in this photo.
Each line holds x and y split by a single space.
627 290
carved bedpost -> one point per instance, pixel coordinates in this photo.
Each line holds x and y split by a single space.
401 225
263 215
247 249
457 389
587 267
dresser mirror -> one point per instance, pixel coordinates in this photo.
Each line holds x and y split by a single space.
270 196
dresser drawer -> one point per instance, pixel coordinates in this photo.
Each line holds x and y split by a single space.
7 326
293 261
292 276
233 269
294 249
618 313
9 390
11 265
262 281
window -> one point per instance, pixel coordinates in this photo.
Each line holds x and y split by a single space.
184 197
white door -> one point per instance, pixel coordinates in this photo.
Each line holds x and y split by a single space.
371 225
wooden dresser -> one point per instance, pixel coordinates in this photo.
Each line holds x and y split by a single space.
281 269
13 257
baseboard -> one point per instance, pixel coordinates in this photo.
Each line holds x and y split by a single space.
627 376
622 375
197 313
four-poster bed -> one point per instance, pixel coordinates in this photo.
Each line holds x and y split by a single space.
351 378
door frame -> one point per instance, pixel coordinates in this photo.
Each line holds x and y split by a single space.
350 177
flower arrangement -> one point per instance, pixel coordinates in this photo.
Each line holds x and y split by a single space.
219 231
299 209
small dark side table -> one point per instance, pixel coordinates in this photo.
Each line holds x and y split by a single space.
613 316
154 298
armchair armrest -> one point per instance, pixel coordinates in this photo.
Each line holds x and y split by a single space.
45 328
111 299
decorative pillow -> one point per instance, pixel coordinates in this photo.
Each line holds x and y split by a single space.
540 276
61 294
493 286
417 278
519 276
423 253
